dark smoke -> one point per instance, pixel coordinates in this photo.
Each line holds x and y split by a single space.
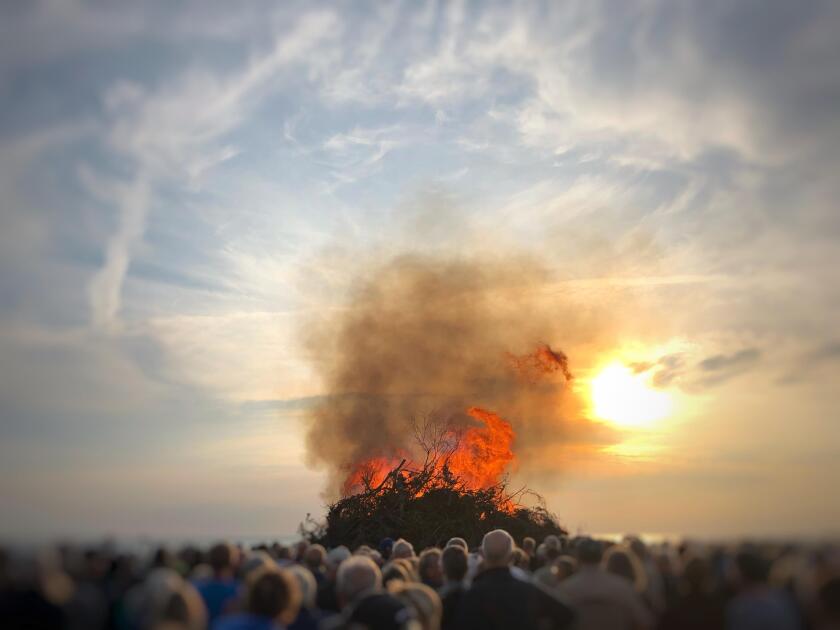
423 334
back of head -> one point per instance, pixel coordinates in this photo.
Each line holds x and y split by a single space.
697 574
273 593
458 542
589 551
306 583
314 557
497 547
335 557
424 601
529 545
254 561
621 561
395 571
220 557
357 575
429 567
752 566
402 549
166 598
454 562
566 566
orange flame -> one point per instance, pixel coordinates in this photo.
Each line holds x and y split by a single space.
480 456
542 362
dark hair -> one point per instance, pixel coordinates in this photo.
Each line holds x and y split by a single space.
752 566
220 556
273 592
589 551
454 561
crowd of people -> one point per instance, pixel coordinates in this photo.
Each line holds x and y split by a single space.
561 582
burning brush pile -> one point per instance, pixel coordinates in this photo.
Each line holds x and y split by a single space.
459 488
428 407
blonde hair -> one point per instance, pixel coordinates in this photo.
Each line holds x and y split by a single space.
422 599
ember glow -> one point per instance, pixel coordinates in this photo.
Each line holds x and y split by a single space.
627 399
478 455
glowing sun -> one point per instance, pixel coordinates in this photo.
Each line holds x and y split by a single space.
626 398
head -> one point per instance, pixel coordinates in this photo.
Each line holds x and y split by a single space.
697 575
529 546
752 568
402 549
520 559
385 547
306 583
222 559
314 557
621 561
357 575
423 600
429 568
458 542
395 572
167 600
497 548
566 566
589 552
253 561
335 557
273 593
454 564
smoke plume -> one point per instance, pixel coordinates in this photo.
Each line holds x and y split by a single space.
424 335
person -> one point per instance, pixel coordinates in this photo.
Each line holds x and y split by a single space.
423 600
327 599
429 568
757 606
272 599
385 547
699 607
165 600
603 601
498 600
313 559
308 617
454 564
363 601
220 590
623 562
402 549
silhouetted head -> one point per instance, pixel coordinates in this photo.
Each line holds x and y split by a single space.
221 558
621 561
589 551
752 567
454 561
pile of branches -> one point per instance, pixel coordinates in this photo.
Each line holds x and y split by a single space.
428 505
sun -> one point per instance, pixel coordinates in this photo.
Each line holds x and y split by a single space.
626 398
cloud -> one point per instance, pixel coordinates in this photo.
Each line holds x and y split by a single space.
172 131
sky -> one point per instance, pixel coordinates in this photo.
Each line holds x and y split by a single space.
183 186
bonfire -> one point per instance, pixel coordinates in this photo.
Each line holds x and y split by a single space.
452 483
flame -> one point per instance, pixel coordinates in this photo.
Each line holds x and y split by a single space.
479 456
542 362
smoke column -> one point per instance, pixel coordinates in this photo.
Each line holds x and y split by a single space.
423 334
